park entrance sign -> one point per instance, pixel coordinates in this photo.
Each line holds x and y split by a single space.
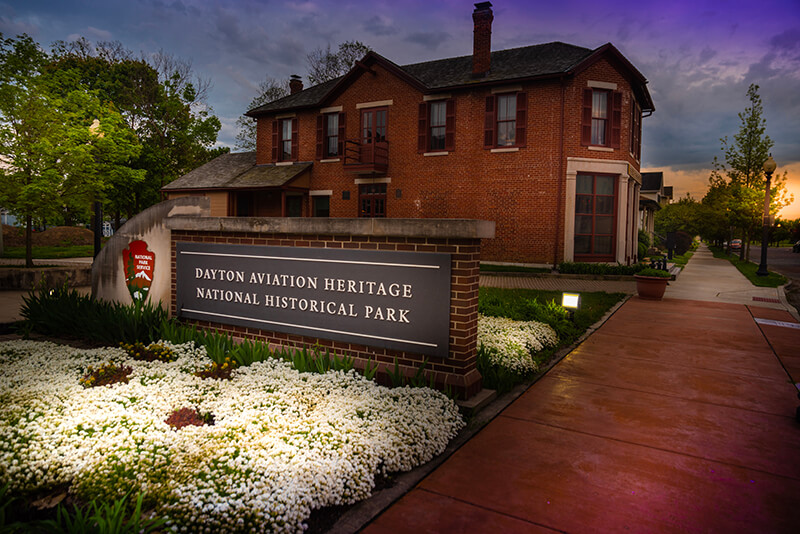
394 295
388 299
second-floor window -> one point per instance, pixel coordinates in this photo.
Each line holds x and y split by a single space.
506 120
601 119
330 135
437 124
284 140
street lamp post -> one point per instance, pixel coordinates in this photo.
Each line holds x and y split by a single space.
769 168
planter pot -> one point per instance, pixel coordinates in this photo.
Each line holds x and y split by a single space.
651 287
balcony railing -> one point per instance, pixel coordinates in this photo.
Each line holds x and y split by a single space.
366 158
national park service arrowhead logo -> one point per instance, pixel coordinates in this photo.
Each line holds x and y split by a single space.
139 265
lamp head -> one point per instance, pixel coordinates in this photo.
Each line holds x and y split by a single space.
770 165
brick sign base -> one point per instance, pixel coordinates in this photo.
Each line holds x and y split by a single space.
454 369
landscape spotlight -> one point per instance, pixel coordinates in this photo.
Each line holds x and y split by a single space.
571 301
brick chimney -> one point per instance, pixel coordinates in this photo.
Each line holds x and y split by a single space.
482 43
295 84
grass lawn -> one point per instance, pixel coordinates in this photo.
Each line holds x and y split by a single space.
749 269
72 251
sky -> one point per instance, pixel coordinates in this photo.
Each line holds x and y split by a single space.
699 56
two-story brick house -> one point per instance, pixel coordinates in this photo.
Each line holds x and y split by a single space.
545 140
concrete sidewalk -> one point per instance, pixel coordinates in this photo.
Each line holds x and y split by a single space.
675 416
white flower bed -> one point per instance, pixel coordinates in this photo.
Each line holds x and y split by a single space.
512 343
282 443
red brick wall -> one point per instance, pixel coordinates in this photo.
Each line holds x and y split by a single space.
458 371
522 191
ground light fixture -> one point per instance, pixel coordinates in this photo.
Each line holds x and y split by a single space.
769 168
571 302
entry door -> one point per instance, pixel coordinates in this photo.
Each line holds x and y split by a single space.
372 200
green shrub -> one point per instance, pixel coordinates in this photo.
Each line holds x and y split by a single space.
64 312
568 267
654 272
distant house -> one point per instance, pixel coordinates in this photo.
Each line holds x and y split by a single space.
544 139
654 195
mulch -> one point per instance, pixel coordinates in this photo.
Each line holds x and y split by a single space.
52 237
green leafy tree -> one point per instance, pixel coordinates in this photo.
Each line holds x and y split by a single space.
325 65
680 216
52 157
269 91
163 104
742 173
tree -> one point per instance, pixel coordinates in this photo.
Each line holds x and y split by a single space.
680 216
741 177
52 156
324 65
270 90
162 102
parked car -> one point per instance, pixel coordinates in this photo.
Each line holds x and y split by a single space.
736 244
796 247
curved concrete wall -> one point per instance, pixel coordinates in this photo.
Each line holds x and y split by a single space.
108 273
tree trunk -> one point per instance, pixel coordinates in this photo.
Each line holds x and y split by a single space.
28 241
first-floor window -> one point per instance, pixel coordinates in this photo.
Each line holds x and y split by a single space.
321 206
372 200
595 209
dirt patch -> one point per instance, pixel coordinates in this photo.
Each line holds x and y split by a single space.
57 236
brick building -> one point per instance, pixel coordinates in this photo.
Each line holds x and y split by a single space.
544 139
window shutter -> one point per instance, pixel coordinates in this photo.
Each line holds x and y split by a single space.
295 144
586 118
488 123
522 118
450 126
422 127
616 119
340 148
275 140
320 135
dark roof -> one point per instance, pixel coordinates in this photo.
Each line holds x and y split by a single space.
516 63
236 171
652 181
307 98
529 62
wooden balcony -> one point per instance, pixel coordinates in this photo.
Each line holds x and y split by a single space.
366 158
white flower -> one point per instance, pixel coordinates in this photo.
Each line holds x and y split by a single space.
511 343
281 445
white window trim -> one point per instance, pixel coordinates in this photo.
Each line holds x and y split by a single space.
598 148
284 163
364 181
442 153
332 109
376 104
439 96
333 160
595 166
285 116
321 193
502 150
601 85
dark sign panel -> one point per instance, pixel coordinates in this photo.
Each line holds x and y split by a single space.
394 300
